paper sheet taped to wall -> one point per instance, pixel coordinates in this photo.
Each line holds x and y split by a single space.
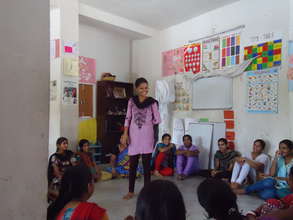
70 66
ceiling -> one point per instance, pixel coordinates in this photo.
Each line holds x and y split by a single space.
158 14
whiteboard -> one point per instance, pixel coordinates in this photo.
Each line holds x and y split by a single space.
202 137
212 93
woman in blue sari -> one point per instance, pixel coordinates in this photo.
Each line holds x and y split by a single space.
120 162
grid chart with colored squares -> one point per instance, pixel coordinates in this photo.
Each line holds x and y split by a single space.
268 55
230 50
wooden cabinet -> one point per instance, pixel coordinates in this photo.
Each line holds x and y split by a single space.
112 100
85 100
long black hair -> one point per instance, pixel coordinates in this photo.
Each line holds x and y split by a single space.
140 81
288 143
160 200
166 135
73 186
219 201
81 143
187 136
262 143
60 141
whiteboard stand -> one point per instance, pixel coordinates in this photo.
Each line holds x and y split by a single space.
206 136
202 137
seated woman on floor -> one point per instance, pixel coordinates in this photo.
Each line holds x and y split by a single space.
120 162
275 185
164 157
251 166
76 188
224 160
58 163
85 157
187 162
272 205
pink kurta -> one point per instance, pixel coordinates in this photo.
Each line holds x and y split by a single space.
141 127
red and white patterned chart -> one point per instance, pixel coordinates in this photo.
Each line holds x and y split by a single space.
192 58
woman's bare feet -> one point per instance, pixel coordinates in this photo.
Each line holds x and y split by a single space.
239 191
128 196
157 173
235 186
181 177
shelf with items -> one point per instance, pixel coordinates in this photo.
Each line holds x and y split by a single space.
117 110
112 101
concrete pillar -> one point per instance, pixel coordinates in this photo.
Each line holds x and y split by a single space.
24 108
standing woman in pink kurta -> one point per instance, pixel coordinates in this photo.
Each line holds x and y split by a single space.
142 115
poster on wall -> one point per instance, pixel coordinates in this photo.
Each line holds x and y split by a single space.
69 92
230 50
290 70
172 62
87 70
269 54
211 54
70 66
70 47
182 98
262 91
192 58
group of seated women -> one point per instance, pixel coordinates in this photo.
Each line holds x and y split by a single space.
71 179
161 199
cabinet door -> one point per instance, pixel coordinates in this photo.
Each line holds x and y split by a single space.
85 100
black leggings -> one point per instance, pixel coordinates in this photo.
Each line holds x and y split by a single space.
146 162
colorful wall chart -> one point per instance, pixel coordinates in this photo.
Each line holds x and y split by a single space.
290 70
230 50
87 70
182 98
192 58
173 62
262 91
269 55
211 54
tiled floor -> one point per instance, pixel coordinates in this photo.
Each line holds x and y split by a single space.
109 195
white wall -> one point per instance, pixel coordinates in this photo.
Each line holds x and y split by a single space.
260 16
69 32
24 111
111 51
55 74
